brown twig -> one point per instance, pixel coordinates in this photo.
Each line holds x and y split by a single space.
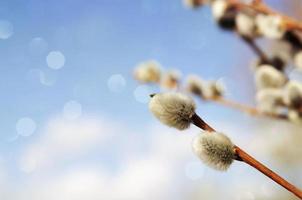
251 43
256 1
245 157
260 7
244 108
237 106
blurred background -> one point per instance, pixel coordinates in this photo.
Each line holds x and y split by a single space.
75 125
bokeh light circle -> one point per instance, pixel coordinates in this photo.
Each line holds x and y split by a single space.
116 83
33 75
38 46
26 126
6 29
55 60
72 110
47 79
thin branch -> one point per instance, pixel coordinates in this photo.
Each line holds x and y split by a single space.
250 110
237 106
256 1
251 43
245 108
245 157
290 23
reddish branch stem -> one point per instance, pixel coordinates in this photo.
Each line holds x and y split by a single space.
245 157
244 108
259 6
238 106
251 43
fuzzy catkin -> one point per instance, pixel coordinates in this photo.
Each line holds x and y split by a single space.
298 60
195 85
294 116
213 89
173 109
271 26
269 100
267 76
148 72
194 3
215 149
245 25
293 94
219 8
205 89
170 79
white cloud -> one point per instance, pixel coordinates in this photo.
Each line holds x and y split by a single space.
76 184
141 179
153 165
4 179
64 139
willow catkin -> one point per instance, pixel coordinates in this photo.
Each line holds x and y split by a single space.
148 72
293 94
267 76
173 109
269 100
215 149
271 26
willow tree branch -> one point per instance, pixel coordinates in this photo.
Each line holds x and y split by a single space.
261 7
257 50
256 1
241 155
244 108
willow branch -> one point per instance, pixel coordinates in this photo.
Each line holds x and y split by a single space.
256 1
244 108
241 155
260 7
257 50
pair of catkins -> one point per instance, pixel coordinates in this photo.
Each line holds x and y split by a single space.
176 110
215 149
275 92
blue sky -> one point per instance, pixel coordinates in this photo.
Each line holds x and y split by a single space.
98 39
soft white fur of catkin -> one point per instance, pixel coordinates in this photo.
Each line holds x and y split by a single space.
148 72
294 116
193 3
271 26
173 109
245 24
219 8
269 100
292 93
267 76
298 60
195 85
215 149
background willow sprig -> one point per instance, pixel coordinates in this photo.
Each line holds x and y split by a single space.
269 100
